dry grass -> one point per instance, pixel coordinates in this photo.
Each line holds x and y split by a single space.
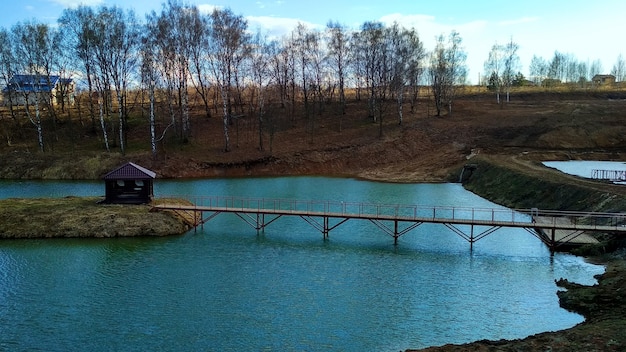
82 217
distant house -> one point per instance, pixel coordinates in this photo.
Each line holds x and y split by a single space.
601 80
50 90
129 184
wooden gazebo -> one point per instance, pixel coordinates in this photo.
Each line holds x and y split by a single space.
129 184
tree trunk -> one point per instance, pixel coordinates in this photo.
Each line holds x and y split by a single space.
152 123
120 111
225 119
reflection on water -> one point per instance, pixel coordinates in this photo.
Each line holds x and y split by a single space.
224 288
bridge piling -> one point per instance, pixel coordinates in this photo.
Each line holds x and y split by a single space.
395 233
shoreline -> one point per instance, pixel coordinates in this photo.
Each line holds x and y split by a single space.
577 297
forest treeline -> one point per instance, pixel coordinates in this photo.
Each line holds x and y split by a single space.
180 55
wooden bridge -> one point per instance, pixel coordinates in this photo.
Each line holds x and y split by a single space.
554 228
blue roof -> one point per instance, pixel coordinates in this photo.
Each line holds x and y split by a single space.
34 83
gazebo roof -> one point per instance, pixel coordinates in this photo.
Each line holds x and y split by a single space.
130 171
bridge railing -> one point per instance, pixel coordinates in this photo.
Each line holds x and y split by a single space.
361 209
552 218
592 219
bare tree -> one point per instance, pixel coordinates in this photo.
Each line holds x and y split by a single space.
583 71
318 71
338 54
501 67
493 69
164 59
538 69
557 67
400 57
80 36
595 68
230 44
357 62
7 66
32 42
619 69
510 66
197 30
279 67
260 70
114 39
415 69
151 78
372 41
83 28
302 43
447 70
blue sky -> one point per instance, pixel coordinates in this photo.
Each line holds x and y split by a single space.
589 30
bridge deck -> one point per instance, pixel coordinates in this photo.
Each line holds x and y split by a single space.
552 227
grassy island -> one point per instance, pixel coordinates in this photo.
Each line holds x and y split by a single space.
83 217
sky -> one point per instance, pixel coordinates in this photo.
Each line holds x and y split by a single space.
589 30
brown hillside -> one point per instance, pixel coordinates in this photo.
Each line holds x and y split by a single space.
535 125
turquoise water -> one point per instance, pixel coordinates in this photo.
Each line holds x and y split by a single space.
223 288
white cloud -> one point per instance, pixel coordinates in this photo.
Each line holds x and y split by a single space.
429 28
76 3
473 34
276 27
207 8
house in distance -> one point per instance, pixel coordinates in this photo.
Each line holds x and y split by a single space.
30 89
129 184
600 80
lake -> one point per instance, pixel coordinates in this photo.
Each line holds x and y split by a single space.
225 288
584 168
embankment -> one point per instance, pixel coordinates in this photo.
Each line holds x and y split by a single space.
522 184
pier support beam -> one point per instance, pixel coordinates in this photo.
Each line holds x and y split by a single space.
324 227
395 232
471 237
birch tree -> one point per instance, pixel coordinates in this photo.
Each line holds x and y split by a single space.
510 66
619 69
279 69
538 69
447 70
7 66
122 40
493 69
260 69
402 61
149 78
371 44
229 44
76 24
338 53
302 43
415 69
30 46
